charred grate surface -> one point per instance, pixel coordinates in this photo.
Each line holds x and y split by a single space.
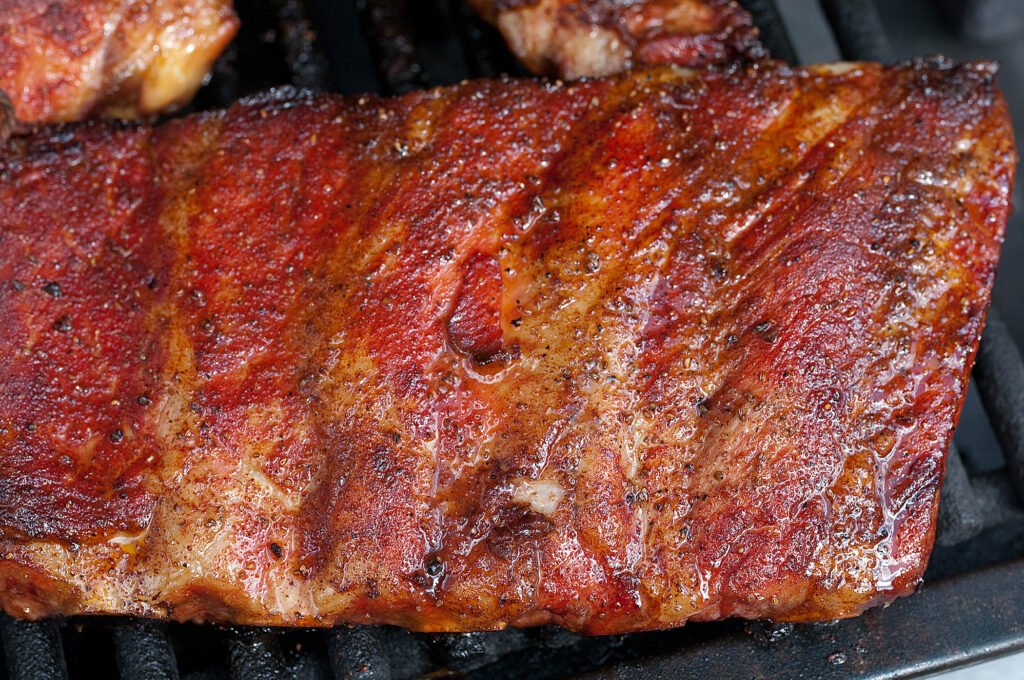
399 45
306 63
391 43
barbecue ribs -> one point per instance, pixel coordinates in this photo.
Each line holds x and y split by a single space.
612 355
575 38
63 61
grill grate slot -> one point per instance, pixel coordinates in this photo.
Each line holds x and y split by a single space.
482 46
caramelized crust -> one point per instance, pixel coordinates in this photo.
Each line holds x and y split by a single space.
612 355
576 38
66 60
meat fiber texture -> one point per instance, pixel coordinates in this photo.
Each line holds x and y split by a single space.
576 38
69 59
612 355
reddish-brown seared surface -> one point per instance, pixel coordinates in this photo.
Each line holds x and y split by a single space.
63 60
612 355
575 38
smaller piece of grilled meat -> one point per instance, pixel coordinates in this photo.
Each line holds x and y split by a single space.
64 61
576 38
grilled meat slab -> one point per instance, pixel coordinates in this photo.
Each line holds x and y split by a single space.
612 355
575 38
65 60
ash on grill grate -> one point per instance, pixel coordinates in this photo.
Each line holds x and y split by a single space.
406 44
386 23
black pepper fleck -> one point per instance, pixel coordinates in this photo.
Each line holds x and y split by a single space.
765 331
517 322
52 289
143 400
277 550
434 566
702 407
63 324
116 436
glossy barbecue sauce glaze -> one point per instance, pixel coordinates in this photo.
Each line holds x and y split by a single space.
614 354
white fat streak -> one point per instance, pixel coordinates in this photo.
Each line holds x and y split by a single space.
129 542
542 495
838 68
289 500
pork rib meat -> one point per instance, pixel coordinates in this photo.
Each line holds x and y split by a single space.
613 355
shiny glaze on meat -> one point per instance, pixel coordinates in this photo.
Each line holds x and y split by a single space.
575 38
64 60
612 355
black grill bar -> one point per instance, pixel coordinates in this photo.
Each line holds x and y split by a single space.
959 513
999 373
33 650
358 653
255 653
463 652
385 23
858 30
144 650
773 32
307 65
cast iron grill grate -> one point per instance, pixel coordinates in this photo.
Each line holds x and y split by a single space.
394 46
